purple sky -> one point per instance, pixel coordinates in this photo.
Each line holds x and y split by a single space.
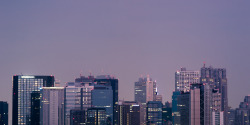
125 38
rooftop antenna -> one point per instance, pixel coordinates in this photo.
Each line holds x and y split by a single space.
204 63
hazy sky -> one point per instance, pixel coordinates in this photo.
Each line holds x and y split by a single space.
125 38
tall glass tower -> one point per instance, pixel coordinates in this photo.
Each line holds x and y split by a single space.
23 86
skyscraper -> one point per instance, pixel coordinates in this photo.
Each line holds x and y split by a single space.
35 108
108 80
102 97
23 86
184 78
145 90
52 106
96 116
77 96
216 78
3 113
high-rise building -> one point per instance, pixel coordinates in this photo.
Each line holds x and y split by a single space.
180 107
145 90
242 114
108 80
184 78
96 116
52 106
200 104
77 96
154 113
102 97
23 86
216 78
129 113
3 113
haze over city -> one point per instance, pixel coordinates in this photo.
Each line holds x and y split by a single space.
127 39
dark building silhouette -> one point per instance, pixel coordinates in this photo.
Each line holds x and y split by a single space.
77 117
180 107
167 114
23 86
35 108
96 116
231 117
3 113
129 113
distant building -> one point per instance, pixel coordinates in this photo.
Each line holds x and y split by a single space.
3 113
108 80
242 114
77 117
96 116
129 113
77 97
102 97
180 107
145 90
184 78
52 106
23 86
154 113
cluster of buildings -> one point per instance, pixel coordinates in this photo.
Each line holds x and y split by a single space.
199 98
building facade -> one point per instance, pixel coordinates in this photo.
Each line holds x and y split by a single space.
96 116
23 86
129 113
52 106
154 113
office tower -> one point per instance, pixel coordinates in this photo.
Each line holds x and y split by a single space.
154 113
84 79
102 97
184 78
200 104
145 90
107 80
52 106
216 78
23 86
77 117
242 114
96 116
180 107
217 118
77 96
3 113
167 114
129 113
35 108
231 116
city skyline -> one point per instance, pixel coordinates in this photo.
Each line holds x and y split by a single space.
126 39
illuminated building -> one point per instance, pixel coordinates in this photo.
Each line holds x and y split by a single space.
23 86
96 116
154 113
184 78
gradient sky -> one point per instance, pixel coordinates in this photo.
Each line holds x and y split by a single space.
127 39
